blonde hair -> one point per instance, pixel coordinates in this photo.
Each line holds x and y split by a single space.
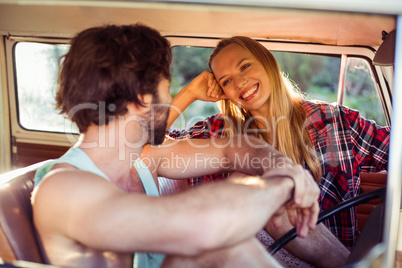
289 137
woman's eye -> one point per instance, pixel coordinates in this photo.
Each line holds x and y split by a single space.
245 66
225 82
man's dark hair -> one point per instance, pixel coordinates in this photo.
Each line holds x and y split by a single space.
109 67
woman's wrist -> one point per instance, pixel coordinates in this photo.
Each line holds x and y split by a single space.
186 95
182 100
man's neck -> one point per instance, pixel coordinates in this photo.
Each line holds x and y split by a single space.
110 152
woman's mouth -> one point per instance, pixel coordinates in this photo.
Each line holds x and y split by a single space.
249 92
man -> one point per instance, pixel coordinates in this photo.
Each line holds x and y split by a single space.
89 208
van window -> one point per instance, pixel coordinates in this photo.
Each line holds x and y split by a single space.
360 91
36 75
188 62
316 76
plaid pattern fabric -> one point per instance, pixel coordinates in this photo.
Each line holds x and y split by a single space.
345 143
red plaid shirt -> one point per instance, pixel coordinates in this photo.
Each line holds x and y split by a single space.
346 144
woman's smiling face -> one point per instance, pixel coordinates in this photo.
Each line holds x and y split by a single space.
242 78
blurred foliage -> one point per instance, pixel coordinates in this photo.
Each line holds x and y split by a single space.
360 91
188 62
316 75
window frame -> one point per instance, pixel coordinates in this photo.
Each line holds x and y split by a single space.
20 134
381 95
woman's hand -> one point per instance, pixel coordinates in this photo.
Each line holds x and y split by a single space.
204 87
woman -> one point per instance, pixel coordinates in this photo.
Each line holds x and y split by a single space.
334 142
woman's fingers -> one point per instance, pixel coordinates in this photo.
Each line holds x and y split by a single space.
212 88
215 91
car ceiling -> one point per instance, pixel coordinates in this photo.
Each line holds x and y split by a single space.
334 28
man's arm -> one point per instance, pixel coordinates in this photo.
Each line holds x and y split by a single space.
246 154
182 159
86 208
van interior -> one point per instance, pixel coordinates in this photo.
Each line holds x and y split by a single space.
362 38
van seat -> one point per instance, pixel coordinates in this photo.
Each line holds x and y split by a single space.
369 182
17 234
18 240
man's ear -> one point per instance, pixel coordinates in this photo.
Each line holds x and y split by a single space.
146 99
136 108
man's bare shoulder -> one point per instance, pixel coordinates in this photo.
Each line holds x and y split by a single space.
64 177
66 193
62 207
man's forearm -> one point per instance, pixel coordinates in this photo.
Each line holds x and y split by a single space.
197 157
252 155
241 207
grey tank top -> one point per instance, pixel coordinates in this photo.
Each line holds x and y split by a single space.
79 159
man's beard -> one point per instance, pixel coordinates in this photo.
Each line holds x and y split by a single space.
157 122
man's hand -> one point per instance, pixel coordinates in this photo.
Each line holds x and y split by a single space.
303 207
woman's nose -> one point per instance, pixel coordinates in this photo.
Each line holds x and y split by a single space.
241 82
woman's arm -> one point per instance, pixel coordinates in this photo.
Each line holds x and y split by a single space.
370 142
204 87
